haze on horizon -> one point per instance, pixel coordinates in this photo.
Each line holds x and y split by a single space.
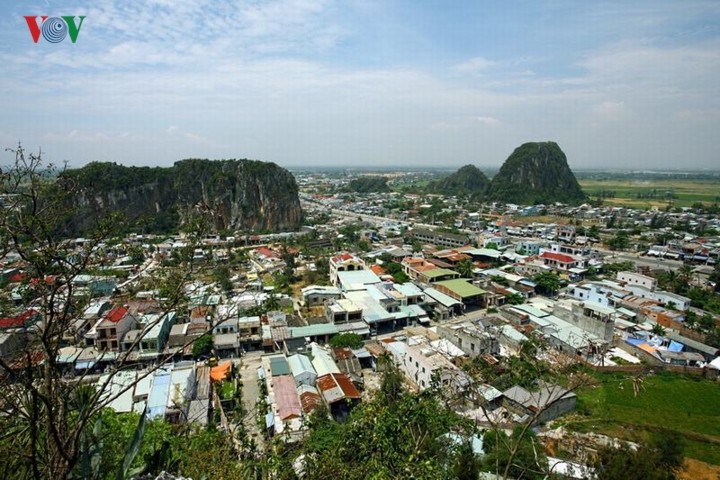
618 84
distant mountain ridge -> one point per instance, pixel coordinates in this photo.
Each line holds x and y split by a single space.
243 194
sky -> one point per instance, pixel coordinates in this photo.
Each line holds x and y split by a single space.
617 84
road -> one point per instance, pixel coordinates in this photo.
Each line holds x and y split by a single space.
250 392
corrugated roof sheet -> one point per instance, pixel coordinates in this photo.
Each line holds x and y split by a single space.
286 398
337 386
279 366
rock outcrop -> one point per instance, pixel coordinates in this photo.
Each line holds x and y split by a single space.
245 195
535 173
467 180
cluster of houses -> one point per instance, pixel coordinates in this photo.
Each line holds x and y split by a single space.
297 384
461 313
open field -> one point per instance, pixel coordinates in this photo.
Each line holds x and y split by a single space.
686 192
687 406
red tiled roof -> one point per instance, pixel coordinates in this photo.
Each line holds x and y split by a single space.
18 320
377 269
266 252
17 277
116 314
559 257
343 256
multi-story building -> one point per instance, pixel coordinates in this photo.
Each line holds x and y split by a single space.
112 328
344 262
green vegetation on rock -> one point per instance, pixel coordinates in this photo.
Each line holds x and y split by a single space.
535 173
467 180
237 194
368 184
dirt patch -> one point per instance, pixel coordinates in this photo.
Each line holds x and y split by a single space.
697 470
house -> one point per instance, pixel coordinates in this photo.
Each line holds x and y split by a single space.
547 403
339 393
95 285
23 320
470 339
439 238
112 327
249 332
463 291
302 370
154 335
319 295
633 278
287 406
342 311
344 262
560 261
423 365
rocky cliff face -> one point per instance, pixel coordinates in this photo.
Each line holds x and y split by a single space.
535 173
245 195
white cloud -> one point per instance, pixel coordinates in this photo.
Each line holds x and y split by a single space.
474 65
488 120
609 110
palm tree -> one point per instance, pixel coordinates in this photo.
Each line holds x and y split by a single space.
465 268
685 274
658 330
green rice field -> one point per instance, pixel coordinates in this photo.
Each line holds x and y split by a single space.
686 405
654 192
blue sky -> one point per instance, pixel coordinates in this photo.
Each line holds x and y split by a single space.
626 84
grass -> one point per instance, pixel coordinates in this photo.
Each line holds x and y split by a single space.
687 406
686 191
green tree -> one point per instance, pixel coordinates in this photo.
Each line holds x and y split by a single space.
465 268
620 241
221 275
514 299
658 329
549 282
715 276
467 465
49 420
203 346
658 460
350 340
396 270
518 455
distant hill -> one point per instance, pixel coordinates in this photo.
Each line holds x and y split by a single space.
536 172
368 184
467 180
243 194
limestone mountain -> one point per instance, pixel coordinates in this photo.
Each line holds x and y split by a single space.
534 173
246 195
468 179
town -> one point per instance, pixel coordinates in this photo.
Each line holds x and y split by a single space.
266 328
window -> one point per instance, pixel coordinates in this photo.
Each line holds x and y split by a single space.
423 370
114 344
472 347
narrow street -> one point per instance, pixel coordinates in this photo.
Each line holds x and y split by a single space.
250 391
